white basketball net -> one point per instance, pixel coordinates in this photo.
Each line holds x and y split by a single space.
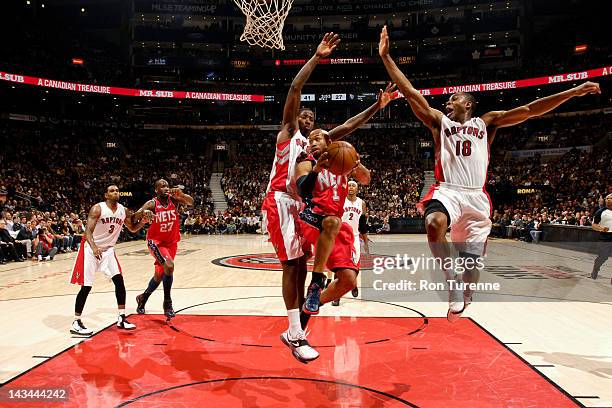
265 20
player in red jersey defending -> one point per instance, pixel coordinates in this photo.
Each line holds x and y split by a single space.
162 239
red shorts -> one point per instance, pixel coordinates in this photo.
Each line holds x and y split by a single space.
343 256
161 251
281 216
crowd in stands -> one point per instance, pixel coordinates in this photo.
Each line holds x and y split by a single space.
47 188
567 190
51 174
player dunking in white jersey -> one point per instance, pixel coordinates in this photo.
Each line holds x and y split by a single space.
462 142
104 224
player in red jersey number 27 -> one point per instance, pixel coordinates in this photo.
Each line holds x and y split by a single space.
162 239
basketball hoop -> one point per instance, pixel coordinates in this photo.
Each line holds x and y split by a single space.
265 20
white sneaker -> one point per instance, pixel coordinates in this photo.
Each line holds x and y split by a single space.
299 346
80 329
456 304
122 323
47 258
40 258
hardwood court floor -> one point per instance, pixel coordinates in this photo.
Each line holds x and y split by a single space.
373 353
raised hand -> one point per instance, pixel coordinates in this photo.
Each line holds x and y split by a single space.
386 96
383 45
587 88
328 44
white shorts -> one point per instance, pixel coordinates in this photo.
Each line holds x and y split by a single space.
280 219
470 211
86 265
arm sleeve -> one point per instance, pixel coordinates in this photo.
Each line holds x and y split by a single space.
306 184
363 226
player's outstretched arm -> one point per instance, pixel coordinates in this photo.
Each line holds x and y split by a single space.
354 123
180 197
361 173
147 208
133 226
499 119
426 114
92 220
292 103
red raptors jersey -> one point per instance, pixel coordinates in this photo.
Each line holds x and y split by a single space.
329 194
282 176
166 224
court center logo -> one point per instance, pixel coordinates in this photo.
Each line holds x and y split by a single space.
269 262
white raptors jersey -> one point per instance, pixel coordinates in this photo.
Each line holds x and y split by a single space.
109 226
282 176
352 212
462 157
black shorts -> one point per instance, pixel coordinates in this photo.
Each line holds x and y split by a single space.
437 206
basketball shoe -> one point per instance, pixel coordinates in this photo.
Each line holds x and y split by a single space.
168 310
312 301
141 301
456 303
300 348
122 323
79 328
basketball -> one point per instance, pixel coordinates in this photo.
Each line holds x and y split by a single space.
342 157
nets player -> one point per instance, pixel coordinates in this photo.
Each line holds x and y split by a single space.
104 224
321 220
282 204
462 143
355 210
602 222
162 239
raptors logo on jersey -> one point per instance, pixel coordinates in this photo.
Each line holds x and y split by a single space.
287 154
109 226
352 211
462 156
166 224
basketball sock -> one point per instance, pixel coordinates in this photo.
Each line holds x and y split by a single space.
80 300
122 312
318 278
153 284
294 321
304 318
167 279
